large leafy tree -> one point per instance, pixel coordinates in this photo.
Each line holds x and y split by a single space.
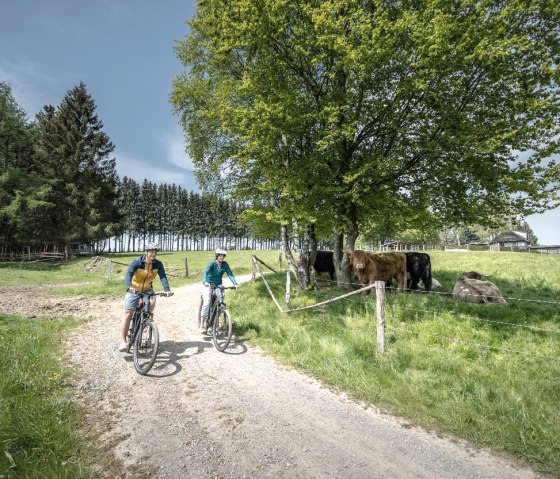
349 110
73 150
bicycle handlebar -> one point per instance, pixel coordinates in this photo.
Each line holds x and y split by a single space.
149 293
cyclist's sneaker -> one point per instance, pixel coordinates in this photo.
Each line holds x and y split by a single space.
123 347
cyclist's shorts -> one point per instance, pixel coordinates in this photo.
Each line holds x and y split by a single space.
131 300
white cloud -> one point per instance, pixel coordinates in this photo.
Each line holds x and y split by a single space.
140 169
174 145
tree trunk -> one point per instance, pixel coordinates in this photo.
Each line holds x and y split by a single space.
302 266
343 268
312 255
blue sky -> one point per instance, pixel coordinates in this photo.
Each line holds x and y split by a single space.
123 51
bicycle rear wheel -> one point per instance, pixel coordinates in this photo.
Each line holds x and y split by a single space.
146 347
221 329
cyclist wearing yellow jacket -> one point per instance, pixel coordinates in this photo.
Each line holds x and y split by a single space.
138 279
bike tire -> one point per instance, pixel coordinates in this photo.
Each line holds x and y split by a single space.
221 329
199 317
146 347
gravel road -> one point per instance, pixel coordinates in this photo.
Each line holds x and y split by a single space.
200 413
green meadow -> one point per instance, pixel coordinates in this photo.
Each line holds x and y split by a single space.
486 373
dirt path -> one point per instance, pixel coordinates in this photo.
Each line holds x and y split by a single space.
205 414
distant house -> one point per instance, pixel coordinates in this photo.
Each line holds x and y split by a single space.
511 239
81 249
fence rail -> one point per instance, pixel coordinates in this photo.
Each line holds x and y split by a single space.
46 256
382 310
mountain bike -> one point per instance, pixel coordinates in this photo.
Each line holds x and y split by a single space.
219 319
143 335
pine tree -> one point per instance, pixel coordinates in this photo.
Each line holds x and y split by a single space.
74 152
23 193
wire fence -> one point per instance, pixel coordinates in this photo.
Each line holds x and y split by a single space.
384 310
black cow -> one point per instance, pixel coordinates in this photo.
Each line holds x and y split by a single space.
324 263
419 267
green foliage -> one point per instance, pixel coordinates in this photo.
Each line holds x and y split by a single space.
74 152
38 422
58 183
342 111
24 205
16 134
486 373
22 194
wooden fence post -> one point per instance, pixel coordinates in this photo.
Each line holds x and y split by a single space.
288 289
253 269
380 308
186 268
109 270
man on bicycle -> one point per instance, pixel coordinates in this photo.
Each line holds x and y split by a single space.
212 275
138 279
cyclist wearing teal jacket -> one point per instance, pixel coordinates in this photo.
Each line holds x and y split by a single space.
138 279
212 275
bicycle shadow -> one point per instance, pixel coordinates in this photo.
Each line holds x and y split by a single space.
235 347
169 358
172 353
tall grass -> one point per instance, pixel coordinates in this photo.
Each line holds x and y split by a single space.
487 373
37 419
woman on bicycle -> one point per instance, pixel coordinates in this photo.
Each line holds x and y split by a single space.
138 279
212 275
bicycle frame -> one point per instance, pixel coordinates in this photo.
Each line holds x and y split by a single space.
218 320
141 314
212 309
143 334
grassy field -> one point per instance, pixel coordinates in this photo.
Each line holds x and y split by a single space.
74 277
487 373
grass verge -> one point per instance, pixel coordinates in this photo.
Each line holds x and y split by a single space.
37 418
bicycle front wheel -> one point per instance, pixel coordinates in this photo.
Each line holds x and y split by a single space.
199 317
221 329
146 347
